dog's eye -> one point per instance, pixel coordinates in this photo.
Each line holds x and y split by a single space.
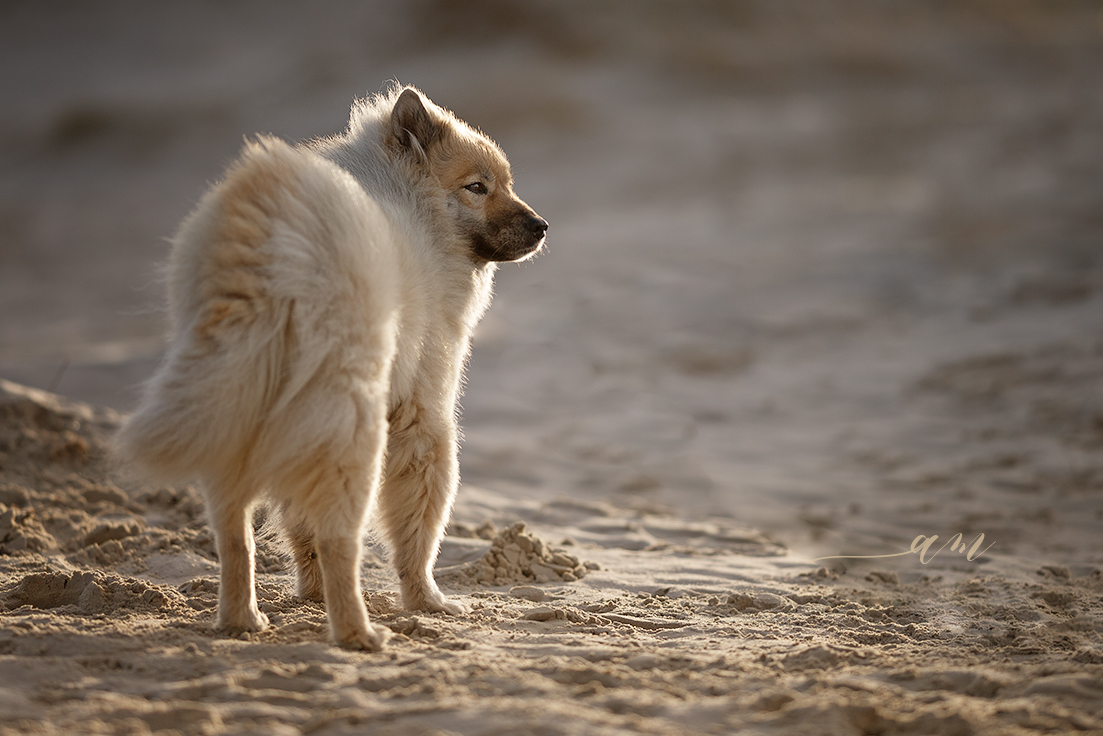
476 188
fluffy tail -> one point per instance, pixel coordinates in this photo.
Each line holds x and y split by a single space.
232 327
281 274
201 412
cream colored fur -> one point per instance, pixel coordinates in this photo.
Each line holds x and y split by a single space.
322 299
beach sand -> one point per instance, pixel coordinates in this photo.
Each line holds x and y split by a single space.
587 617
821 286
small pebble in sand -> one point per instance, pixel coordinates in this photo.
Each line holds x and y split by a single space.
528 592
543 613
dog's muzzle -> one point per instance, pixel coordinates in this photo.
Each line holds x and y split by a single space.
520 240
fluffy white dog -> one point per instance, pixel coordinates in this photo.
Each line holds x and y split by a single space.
322 299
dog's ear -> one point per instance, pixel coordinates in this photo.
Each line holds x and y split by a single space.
413 128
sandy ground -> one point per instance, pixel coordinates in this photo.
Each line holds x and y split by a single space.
819 282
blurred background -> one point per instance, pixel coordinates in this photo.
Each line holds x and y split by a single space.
800 253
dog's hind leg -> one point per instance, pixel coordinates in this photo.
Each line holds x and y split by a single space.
333 522
339 555
416 499
328 493
232 522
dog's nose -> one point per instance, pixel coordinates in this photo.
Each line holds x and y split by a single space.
537 226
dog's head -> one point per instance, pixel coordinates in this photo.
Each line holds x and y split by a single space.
471 174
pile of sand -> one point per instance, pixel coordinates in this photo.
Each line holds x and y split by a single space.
516 557
90 592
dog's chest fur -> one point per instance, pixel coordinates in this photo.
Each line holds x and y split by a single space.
433 336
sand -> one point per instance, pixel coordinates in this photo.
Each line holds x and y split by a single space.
591 619
822 284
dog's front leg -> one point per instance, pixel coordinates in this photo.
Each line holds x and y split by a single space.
416 499
300 542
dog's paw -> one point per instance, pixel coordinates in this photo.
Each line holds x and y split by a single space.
447 605
372 639
250 621
436 602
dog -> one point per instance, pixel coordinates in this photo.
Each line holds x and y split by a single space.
322 299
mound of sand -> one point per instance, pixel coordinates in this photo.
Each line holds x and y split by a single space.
90 592
517 557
